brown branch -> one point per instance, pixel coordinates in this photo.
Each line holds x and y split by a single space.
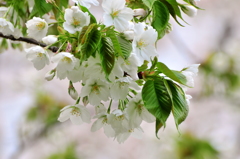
28 40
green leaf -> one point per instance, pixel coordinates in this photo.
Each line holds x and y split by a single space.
117 48
174 75
160 18
144 66
107 55
62 4
157 100
158 127
180 106
148 3
89 40
174 10
125 46
40 8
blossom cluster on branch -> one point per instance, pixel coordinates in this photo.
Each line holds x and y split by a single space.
115 61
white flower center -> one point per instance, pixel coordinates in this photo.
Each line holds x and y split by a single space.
76 112
76 22
40 54
40 25
141 43
66 59
95 88
122 84
115 13
120 117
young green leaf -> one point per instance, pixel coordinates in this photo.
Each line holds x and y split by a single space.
157 100
89 41
107 55
40 8
174 75
158 126
174 10
143 67
180 106
160 18
149 3
61 5
117 48
125 46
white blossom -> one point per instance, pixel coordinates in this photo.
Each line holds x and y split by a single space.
65 63
37 28
102 121
120 88
96 90
50 39
38 56
77 74
130 65
77 114
144 42
189 73
117 14
129 32
135 132
86 3
119 121
75 19
6 27
137 112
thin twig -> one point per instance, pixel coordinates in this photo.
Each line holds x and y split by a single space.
28 40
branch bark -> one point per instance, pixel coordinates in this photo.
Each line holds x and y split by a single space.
28 40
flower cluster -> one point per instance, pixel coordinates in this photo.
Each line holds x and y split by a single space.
116 65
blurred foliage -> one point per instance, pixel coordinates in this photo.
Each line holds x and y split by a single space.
220 74
190 147
69 153
45 109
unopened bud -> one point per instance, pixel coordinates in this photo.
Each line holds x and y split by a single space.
85 100
139 12
128 34
50 39
72 91
69 47
191 11
50 75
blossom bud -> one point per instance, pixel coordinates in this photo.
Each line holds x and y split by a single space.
69 47
50 39
85 100
191 11
129 34
72 91
50 75
139 12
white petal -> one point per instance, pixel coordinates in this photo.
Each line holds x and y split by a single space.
98 124
64 115
76 119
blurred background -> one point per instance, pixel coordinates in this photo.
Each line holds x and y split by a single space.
29 105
